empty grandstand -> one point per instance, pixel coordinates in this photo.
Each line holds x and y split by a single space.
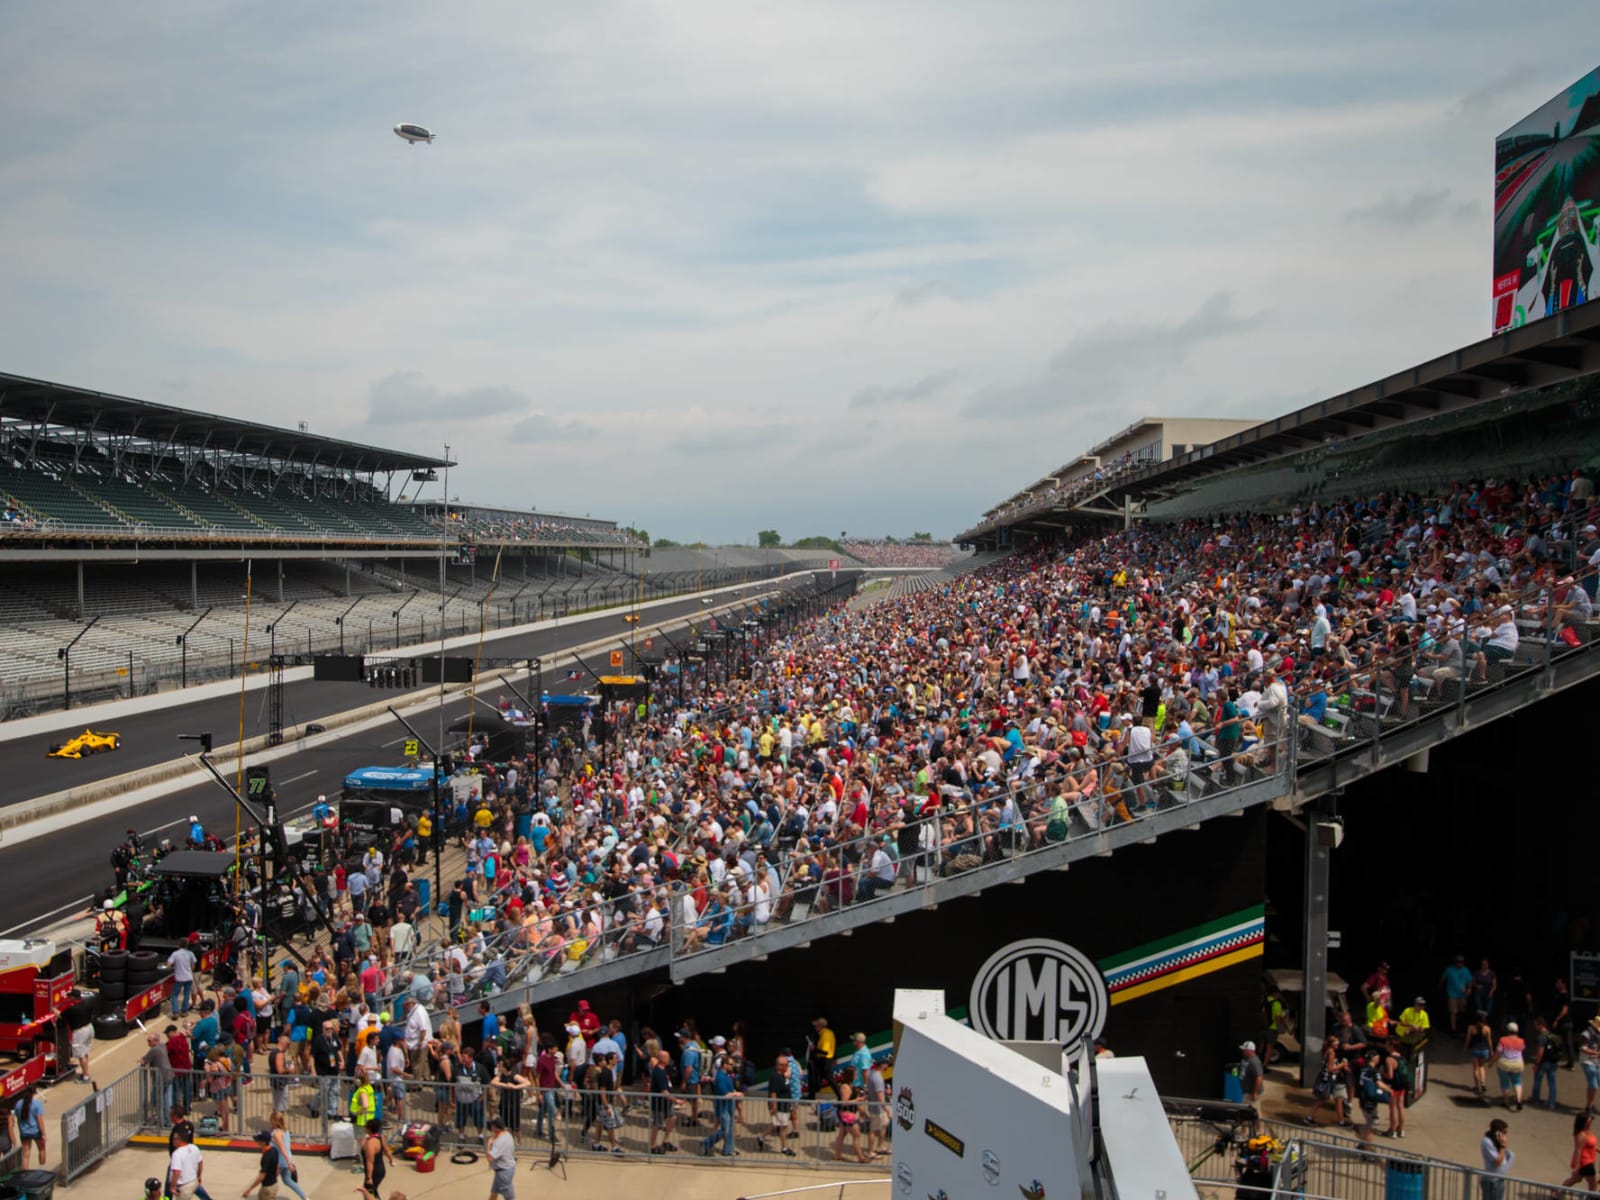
127 528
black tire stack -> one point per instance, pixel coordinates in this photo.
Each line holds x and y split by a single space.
110 1025
145 970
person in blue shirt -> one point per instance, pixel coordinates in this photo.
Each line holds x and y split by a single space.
491 1023
1457 983
860 1060
197 835
28 1110
207 1030
726 1092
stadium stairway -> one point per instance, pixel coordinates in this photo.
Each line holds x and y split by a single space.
1313 766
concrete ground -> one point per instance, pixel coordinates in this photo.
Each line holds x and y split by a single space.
1450 1120
227 1173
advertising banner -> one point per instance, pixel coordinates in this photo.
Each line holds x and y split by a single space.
1547 208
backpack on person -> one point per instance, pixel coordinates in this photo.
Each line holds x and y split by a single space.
1404 1077
1368 1087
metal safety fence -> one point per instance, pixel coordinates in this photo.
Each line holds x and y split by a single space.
1325 1164
103 1123
223 1101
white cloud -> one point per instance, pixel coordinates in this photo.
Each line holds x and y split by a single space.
737 248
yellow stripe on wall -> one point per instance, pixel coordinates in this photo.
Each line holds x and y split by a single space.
1187 973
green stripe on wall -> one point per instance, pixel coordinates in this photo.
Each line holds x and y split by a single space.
1111 963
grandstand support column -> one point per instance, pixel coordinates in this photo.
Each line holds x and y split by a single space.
80 589
194 584
1127 510
280 581
1321 835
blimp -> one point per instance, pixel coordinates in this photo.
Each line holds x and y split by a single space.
413 133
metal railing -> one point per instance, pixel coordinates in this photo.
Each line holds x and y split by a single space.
225 1102
1328 1165
103 1123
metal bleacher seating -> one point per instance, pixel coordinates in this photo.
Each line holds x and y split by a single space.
205 504
138 505
45 496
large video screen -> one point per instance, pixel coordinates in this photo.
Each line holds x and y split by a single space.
1547 208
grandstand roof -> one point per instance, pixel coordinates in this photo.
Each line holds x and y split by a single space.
1544 352
35 400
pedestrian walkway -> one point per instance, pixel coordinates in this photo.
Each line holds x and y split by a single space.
1450 1120
228 1172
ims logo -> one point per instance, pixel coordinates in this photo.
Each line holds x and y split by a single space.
1039 990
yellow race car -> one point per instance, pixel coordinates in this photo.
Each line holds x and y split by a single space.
87 742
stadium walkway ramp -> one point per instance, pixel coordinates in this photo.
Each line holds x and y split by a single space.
1310 766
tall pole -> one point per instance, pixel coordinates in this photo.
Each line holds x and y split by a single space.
1314 924
442 603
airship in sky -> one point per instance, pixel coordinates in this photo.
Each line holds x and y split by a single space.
413 133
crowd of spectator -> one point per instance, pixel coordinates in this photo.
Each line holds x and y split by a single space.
1063 690
915 553
1056 692
473 524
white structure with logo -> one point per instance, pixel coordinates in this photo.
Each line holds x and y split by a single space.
977 1118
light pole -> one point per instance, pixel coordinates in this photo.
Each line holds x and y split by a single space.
339 621
65 655
183 649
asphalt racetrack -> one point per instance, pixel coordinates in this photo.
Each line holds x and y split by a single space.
46 878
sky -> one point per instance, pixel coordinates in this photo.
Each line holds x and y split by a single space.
709 267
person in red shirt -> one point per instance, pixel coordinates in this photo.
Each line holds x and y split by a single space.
587 1022
182 1060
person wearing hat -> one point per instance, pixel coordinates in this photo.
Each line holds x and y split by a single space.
1414 1021
1252 1075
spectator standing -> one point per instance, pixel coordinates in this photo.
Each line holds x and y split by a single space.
266 1180
1589 1059
1456 981
28 1112
1547 1060
183 962
1583 1153
1480 1048
1510 1057
822 1054
1371 1091
725 1093
1498 1158
158 1073
1251 1073
502 1154
663 1117
186 1170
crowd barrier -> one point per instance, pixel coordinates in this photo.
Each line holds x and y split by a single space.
620 1123
1316 1163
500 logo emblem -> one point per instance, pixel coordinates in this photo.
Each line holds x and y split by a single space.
1039 990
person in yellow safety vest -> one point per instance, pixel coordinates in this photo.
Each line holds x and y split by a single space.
1414 1019
1378 1014
363 1102
424 837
